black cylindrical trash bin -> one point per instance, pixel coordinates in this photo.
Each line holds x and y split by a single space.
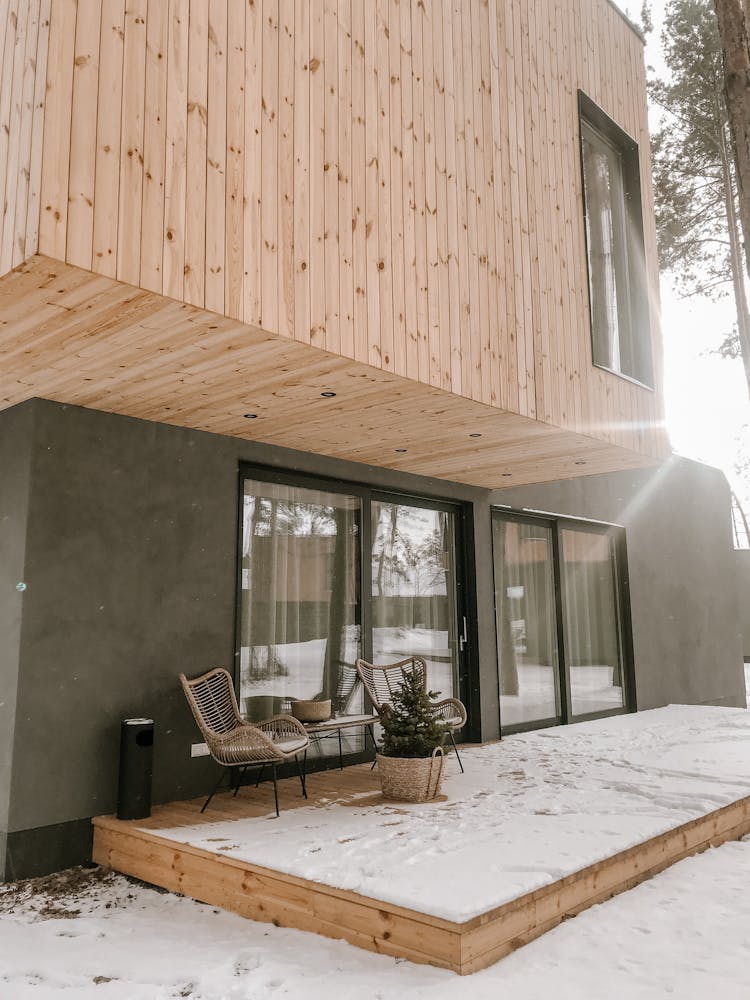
136 758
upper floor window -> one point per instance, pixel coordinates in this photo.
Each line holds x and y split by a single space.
618 297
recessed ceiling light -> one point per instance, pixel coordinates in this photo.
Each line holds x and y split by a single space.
400 449
328 394
475 434
250 416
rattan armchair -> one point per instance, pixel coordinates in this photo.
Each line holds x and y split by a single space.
381 680
235 743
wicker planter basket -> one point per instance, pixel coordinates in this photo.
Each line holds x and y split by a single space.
312 711
411 779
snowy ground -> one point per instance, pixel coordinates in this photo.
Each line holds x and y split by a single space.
685 933
528 811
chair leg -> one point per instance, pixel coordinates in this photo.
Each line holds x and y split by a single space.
458 756
241 772
301 774
215 789
260 774
370 729
341 755
275 790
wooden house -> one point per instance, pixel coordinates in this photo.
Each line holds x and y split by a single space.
376 273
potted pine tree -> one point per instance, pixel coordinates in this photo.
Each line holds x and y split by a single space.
411 760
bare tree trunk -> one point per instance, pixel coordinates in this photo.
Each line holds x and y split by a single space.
735 257
733 28
743 518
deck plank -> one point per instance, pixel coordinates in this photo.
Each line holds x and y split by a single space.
140 848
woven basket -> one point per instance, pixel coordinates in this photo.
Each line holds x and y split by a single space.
312 711
411 779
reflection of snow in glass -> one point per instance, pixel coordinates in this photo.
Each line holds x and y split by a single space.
592 687
300 598
413 590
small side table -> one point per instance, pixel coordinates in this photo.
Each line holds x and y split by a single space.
333 727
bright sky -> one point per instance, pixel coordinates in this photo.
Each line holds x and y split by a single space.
708 413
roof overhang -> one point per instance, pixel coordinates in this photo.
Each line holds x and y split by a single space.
76 337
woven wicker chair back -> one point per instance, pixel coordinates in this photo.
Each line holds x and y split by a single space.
233 742
212 700
382 681
345 690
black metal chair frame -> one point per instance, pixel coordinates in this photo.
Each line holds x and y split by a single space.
242 769
315 737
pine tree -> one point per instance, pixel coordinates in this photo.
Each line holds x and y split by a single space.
733 19
410 726
695 183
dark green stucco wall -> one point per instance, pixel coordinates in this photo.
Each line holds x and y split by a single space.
130 562
125 533
742 561
15 473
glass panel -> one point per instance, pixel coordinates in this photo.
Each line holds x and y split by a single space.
300 612
607 252
592 646
414 590
526 628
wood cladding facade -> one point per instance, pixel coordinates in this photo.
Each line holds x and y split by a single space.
396 183
24 34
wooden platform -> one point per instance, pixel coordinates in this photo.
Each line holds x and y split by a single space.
138 848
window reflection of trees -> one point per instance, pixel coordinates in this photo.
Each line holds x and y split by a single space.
410 556
300 597
301 608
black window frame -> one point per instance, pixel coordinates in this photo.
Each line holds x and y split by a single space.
465 555
558 523
637 311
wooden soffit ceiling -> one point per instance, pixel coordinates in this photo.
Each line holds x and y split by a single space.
75 337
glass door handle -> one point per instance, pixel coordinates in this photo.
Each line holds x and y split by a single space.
464 637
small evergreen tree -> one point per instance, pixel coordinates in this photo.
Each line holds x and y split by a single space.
410 726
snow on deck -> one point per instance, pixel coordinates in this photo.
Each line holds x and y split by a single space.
529 811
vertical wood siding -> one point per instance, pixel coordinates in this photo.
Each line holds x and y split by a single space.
24 35
396 181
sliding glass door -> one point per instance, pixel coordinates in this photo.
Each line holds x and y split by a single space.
415 589
526 622
301 601
333 571
593 647
561 620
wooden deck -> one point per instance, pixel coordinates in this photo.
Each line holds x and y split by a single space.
137 848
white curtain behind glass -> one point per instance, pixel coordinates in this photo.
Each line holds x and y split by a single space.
300 595
591 625
526 628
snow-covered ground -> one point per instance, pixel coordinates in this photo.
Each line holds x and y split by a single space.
685 933
528 811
